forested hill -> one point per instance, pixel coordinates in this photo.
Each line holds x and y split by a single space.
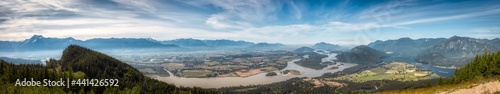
81 63
484 68
362 55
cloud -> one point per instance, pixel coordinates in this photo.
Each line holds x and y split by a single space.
146 5
254 20
443 18
237 13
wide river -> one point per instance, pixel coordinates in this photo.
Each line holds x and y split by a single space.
255 79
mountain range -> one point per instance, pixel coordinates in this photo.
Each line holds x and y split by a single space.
196 43
457 51
38 43
266 46
20 61
453 51
405 46
436 51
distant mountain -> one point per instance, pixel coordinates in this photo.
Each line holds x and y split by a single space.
38 43
228 43
116 43
457 51
326 46
303 50
406 46
196 43
20 61
186 42
362 55
266 46
495 42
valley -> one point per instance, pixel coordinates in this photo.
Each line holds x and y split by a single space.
250 46
250 76
259 67
399 71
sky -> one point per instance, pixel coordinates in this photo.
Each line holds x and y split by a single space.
344 22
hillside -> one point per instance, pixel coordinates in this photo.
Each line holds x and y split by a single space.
326 46
266 46
362 55
456 51
405 46
303 50
483 71
312 61
78 62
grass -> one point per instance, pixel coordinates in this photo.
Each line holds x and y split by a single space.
269 69
245 89
441 88
212 63
79 74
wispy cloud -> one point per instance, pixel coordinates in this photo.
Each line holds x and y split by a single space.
293 22
146 5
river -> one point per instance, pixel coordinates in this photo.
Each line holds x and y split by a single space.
255 79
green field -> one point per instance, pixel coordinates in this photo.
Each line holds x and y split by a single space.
400 71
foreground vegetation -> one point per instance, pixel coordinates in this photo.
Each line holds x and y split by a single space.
77 63
484 68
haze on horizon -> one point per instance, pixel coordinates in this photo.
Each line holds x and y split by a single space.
347 22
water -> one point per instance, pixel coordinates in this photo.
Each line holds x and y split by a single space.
439 71
255 79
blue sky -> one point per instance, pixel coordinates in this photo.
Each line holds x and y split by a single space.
345 22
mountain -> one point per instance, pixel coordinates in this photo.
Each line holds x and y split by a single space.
303 50
9 46
266 46
38 43
456 51
78 62
186 42
326 46
406 46
362 55
221 43
228 43
116 43
20 61
495 42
